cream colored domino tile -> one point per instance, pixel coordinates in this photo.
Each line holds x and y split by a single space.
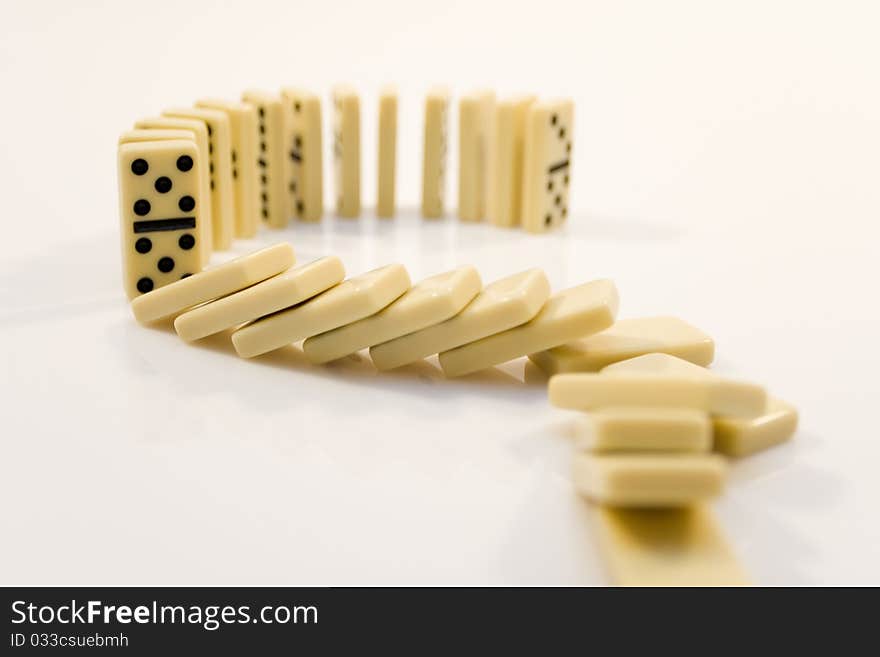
243 156
272 195
506 146
648 480
475 116
347 150
549 130
304 159
219 167
272 295
574 312
160 213
199 132
430 302
586 391
735 436
643 428
387 157
666 547
436 133
351 300
213 283
629 338
506 303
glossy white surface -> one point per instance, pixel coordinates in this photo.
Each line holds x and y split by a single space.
735 187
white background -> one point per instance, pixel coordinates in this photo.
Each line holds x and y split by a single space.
727 161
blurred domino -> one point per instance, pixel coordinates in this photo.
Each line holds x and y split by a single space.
160 213
271 169
572 313
277 293
506 303
434 152
199 132
736 436
547 165
666 547
351 300
629 338
475 114
220 169
430 302
648 480
387 165
243 157
347 150
304 157
638 428
506 145
657 380
213 283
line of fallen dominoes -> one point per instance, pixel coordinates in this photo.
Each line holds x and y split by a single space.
229 167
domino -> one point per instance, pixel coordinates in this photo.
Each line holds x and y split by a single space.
430 302
277 293
666 547
547 165
629 338
506 303
648 480
656 380
643 429
572 313
304 157
160 213
736 436
213 283
219 168
475 114
387 165
243 155
351 300
199 132
506 145
272 171
347 151
434 153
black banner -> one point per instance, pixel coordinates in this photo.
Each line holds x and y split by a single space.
402 620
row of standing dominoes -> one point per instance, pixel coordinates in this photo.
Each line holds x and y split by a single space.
260 161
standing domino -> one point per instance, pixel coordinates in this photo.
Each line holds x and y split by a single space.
434 153
243 155
220 169
347 151
160 213
303 157
507 143
387 152
199 132
273 197
547 165
475 117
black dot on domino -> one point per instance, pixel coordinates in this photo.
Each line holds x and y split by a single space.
265 197
143 245
186 242
564 212
210 148
264 179
234 157
297 107
212 185
262 112
548 220
165 264
184 163
562 133
210 129
299 208
144 285
554 119
163 184
139 167
558 200
292 186
141 207
565 180
263 146
186 203
568 147
235 174
262 129
549 185
265 213
297 141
